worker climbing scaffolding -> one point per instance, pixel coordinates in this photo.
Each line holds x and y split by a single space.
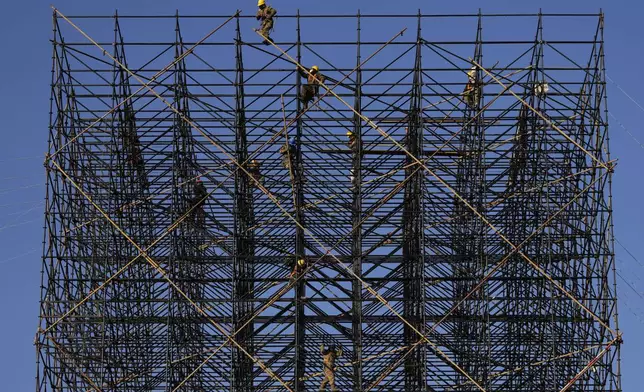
289 153
328 362
472 92
352 142
312 88
254 169
265 14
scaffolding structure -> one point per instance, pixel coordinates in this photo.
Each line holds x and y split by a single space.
454 229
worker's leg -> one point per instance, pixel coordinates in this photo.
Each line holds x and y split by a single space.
477 96
331 377
316 95
325 381
267 26
264 32
307 95
469 98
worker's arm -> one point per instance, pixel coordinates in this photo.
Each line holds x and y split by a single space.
335 81
321 346
338 352
302 72
259 15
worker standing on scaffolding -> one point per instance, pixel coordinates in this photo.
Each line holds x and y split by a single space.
472 90
266 14
328 361
289 153
312 88
197 203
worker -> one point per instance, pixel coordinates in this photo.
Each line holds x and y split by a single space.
312 88
472 90
328 360
541 89
254 171
131 143
198 202
298 268
266 14
135 157
289 153
352 140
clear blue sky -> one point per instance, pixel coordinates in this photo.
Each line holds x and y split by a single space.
24 100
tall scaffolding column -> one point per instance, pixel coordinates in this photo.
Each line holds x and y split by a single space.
472 325
300 287
184 338
356 213
414 297
244 239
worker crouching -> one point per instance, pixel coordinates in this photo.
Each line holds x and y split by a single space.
298 268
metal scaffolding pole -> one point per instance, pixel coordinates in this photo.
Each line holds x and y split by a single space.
356 220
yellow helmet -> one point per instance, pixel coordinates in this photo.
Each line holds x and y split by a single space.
254 162
261 3
349 133
300 263
315 68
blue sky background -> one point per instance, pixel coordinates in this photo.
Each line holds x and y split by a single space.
24 105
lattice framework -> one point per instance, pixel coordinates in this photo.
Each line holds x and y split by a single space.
452 247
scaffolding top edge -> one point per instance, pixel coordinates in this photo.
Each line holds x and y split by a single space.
283 16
